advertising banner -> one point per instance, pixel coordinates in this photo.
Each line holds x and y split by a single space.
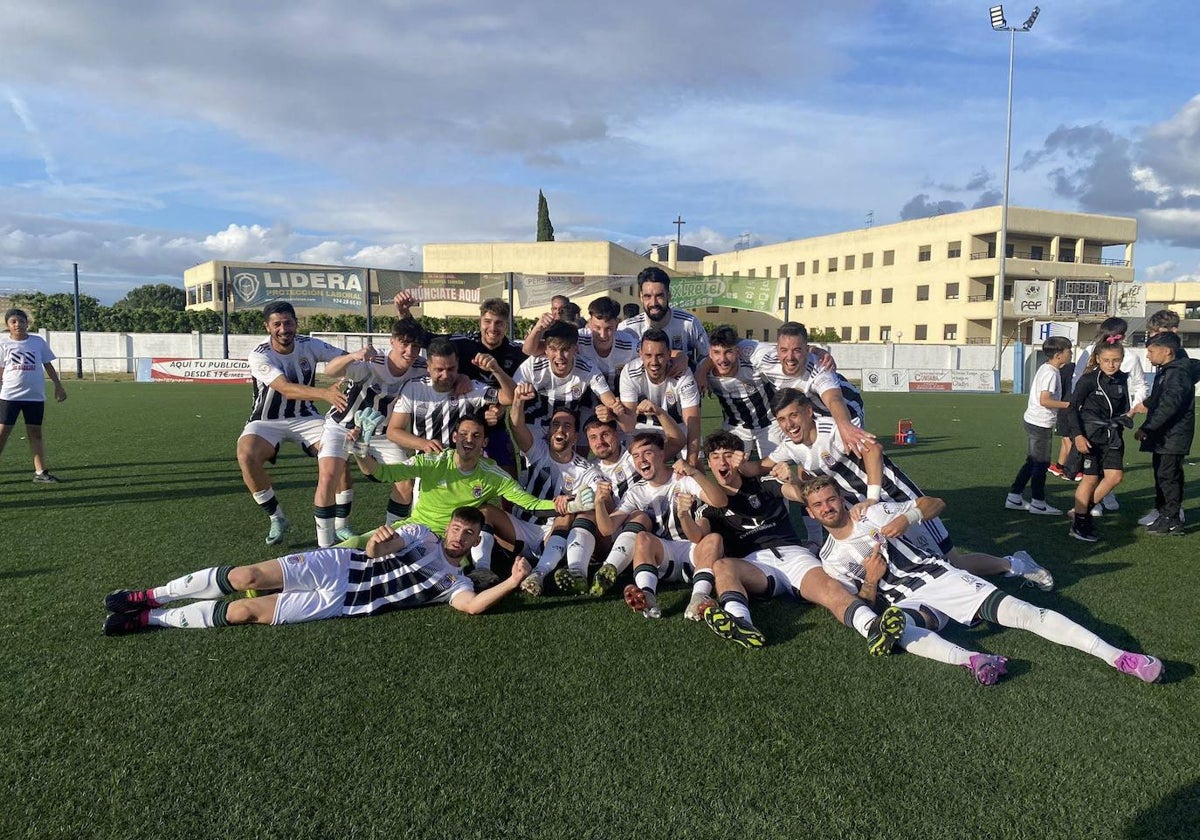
536 290
894 379
328 288
884 379
455 288
193 370
759 294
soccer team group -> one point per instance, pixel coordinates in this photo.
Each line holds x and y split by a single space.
482 443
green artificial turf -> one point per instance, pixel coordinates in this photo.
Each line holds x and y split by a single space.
561 717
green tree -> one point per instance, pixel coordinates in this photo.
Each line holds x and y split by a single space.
57 311
154 296
545 230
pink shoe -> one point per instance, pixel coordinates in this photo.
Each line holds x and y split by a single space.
1145 668
987 668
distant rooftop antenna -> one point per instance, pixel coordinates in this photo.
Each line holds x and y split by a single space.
870 218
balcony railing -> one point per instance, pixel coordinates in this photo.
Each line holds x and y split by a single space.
979 298
979 341
1028 255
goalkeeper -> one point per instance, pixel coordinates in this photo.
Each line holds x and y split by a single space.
457 477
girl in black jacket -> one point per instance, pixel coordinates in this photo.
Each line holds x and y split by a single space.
1099 410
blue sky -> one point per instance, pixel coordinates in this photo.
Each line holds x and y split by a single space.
140 139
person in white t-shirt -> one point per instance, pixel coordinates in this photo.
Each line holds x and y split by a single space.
1045 398
23 358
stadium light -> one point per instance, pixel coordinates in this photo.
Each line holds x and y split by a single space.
1000 24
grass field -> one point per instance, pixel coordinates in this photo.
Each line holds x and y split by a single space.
561 717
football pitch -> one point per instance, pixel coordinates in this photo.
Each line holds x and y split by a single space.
564 717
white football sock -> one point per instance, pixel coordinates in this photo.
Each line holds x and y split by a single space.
481 554
580 549
1013 612
622 551
198 616
204 584
556 547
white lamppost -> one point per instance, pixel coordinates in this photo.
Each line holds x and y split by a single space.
1001 25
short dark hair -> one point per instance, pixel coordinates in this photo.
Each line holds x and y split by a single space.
814 485
787 396
562 409
472 416
1163 319
724 336
654 438
722 440
596 421
278 307
468 516
495 306
441 347
604 308
1168 339
407 329
15 313
561 331
1056 344
794 329
563 298
657 336
630 310
653 274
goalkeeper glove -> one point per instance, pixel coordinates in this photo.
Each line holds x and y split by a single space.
585 499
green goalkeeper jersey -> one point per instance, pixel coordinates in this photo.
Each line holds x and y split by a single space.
445 487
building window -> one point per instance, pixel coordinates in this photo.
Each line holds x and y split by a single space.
193 296
885 333
864 333
767 271
749 333
885 295
782 304
922 332
799 302
951 291
733 310
766 334
1066 254
816 266
849 261
712 309
845 333
714 268
922 292
864 297
950 332
813 302
889 257
831 299
783 271
1009 250
954 250
847 298
750 273
737 274
925 253
1036 252
800 266
868 259
833 263
206 293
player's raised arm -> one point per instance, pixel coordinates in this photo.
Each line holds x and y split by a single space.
507 387
710 491
476 603
522 436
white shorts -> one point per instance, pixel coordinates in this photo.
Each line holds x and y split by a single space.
335 444
931 536
304 431
532 533
751 438
678 562
785 567
957 595
314 585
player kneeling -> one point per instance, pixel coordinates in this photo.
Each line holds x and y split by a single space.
398 569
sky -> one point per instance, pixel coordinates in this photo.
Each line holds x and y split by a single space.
139 139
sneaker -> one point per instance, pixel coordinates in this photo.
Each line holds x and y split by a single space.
1042 509
570 582
885 630
1078 477
732 628
1055 469
483 578
605 577
1145 668
532 585
1166 526
987 667
697 605
1097 510
129 601
1015 502
1110 502
1026 567
279 528
123 625
1149 518
640 600
1083 529
44 478
345 533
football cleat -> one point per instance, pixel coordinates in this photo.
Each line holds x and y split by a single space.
345 533
605 577
129 601
123 625
734 629
643 601
483 578
532 585
987 668
570 582
1029 569
279 528
44 478
697 605
1145 668
885 630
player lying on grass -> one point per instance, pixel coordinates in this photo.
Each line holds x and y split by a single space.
397 570
815 446
764 558
869 554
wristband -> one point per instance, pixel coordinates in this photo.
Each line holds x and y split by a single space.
873 492
913 515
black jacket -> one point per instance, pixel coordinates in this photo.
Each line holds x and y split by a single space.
1096 404
1171 406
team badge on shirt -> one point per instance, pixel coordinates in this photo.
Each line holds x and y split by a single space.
477 491
294 559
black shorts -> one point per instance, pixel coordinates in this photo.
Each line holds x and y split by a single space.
1101 459
10 410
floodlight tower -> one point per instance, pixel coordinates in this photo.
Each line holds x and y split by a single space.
1001 25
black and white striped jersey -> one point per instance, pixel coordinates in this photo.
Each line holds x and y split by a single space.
621 474
434 413
417 575
624 350
546 478
908 568
658 503
811 380
685 330
674 393
827 455
298 367
373 385
581 387
745 398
